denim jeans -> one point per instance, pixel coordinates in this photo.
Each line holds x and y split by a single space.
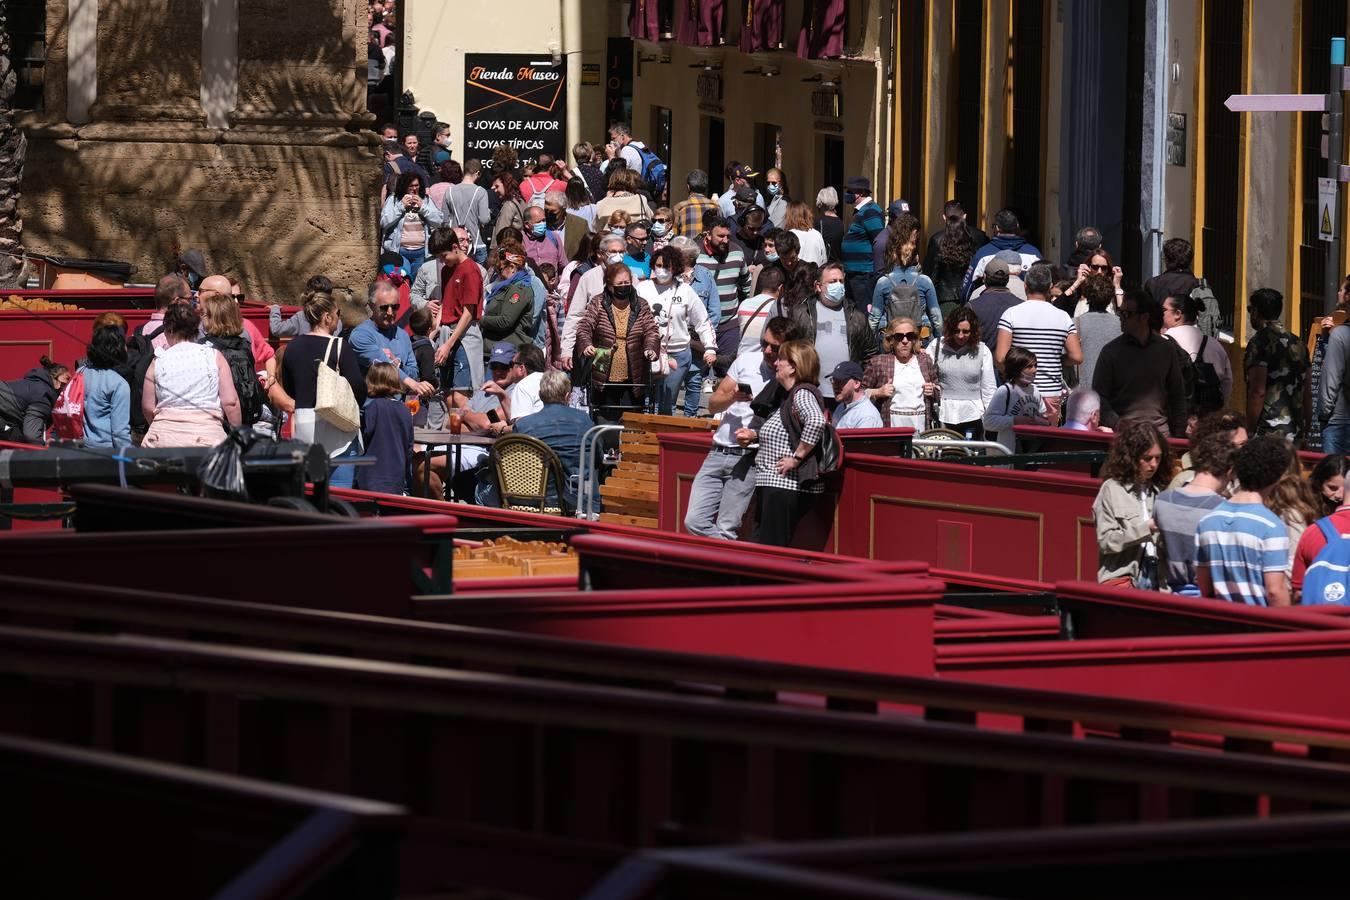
1336 438
670 385
345 476
413 260
693 386
720 495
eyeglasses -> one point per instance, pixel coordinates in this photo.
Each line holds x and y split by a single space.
769 345
386 307
1099 268
905 335
963 331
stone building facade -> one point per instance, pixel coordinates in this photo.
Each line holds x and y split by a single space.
229 126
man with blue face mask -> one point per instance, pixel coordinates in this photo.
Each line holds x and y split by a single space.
837 328
541 244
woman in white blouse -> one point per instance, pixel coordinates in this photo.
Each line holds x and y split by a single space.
965 374
801 222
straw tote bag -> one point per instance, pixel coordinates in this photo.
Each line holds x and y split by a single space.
334 401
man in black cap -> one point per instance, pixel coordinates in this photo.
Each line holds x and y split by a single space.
192 266
853 409
737 175
867 223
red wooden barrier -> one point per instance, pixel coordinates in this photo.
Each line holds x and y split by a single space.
1055 440
860 625
64 334
352 565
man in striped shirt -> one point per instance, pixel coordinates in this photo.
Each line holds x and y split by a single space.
726 263
1242 548
1036 325
867 223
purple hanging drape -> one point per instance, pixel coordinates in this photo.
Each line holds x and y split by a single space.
822 34
700 23
644 20
763 26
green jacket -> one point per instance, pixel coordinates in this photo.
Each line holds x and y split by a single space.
509 315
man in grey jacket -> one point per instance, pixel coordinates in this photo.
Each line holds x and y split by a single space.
1333 404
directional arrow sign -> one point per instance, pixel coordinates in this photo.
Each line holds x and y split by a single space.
1277 102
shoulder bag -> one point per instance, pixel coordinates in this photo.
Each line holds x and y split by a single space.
334 401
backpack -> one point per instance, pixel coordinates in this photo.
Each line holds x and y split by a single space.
1207 320
1325 582
140 349
905 301
1208 388
1189 376
830 448
654 172
240 360
68 413
537 195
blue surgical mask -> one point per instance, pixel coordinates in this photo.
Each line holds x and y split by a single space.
771 257
617 232
835 292
850 197
773 188
539 228
658 228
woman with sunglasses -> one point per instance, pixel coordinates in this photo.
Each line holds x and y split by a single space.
508 314
1099 263
966 381
904 381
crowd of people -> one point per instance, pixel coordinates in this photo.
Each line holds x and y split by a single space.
601 287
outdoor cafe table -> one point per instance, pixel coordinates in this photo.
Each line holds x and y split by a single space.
433 438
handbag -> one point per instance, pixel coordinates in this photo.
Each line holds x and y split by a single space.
334 401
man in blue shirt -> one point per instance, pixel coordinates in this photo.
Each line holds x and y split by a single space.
559 426
379 339
1242 548
853 409
867 223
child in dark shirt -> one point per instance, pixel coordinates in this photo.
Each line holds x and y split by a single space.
387 427
425 331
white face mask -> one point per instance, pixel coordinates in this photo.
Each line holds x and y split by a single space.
614 258
661 276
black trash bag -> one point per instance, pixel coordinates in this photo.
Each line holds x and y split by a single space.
222 471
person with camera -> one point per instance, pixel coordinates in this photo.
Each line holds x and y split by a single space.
407 219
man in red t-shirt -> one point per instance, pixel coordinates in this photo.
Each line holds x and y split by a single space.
460 307
1312 543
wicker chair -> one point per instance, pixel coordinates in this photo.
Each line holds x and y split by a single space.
942 434
524 466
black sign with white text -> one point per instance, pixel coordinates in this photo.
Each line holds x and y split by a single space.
517 99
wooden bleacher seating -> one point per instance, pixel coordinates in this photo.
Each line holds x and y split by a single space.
561 779
507 558
630 494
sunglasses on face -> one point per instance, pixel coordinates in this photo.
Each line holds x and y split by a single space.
766 345
904 335
386 307
963 331
1098 268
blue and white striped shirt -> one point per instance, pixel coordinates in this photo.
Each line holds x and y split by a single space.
1239 543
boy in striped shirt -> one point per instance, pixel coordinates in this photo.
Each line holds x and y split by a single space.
1242 548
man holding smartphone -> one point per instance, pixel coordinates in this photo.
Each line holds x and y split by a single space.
726 481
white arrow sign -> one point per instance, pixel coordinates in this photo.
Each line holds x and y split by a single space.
1277 103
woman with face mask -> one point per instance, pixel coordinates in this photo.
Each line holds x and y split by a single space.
618 334
678 312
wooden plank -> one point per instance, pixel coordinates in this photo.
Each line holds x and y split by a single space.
648 496
635 521
642 454
629 484
666 424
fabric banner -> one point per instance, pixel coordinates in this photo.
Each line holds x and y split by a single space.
644 20
763 26
822 34
700 23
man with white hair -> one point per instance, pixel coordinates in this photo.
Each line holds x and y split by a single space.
1083 411
559 426
611 250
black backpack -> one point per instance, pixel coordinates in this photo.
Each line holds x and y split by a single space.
140 354
1208 388
237 354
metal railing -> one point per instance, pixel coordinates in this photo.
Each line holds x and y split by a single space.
589 474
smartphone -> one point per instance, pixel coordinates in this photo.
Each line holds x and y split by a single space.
743 388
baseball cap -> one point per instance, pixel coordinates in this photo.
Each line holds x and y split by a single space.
859 183
898 207
440 156
1006 261
502 354
745 172
846 370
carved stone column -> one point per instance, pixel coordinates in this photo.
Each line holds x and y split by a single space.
298 68
149 61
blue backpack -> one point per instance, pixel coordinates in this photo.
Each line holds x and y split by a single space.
654 171
1327 581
